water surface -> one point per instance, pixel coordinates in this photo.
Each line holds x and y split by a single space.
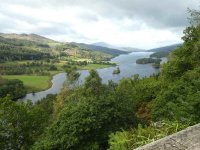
57 84
126 63
128 67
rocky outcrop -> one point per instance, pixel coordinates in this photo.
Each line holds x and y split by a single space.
188 139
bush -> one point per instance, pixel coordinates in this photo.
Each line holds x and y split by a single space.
136 137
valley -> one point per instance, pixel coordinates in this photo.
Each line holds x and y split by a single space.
84 76
34 59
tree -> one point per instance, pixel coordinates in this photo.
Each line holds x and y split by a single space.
179 97
14 88
179 100
22 123
86 120
93 83
72 76
195 17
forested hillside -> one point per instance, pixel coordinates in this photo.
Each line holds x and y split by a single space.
123 116
35 47
28 37
163 51
99 48
28 57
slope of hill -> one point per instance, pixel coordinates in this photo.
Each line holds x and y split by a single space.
99 48
48 45
127 49
28 37
16 49
103 44
163 51
35 47
132 49
165 48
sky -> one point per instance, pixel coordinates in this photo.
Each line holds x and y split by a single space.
142 24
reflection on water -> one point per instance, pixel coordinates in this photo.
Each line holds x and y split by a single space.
127 65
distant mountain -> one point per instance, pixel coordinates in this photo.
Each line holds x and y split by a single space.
163 51
131 49
28 37
99 48
33 42
127 49
103 44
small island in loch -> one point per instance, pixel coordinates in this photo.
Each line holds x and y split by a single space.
154 61
116 71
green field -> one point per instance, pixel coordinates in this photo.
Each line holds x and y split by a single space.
94 66
31 82
35 83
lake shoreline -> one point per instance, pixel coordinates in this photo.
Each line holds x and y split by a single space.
126 63
57 72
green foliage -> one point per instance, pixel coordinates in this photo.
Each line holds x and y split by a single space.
72 76
160 54
29 67
195 17
136 137
147 60
93 83
116 71
46 104
14 88
84 117
91 113
96 66
174 96
179 96
21 123
180 99
11 50
31 82
138 90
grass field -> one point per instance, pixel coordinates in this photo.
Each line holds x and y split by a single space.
94 66
34 83
31 82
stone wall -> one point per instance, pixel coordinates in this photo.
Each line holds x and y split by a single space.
188 139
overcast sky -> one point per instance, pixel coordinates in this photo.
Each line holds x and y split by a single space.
135 23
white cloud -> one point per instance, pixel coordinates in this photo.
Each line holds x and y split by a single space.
139 23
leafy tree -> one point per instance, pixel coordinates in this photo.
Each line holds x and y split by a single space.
179 100
93 83
179 97
22 123
14 88
72 76
91 113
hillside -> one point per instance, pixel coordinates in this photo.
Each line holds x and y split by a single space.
16 49
40 43
163 51
102 44
28 37
36 58
132 49
165 48
99 48
126 49
27 44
